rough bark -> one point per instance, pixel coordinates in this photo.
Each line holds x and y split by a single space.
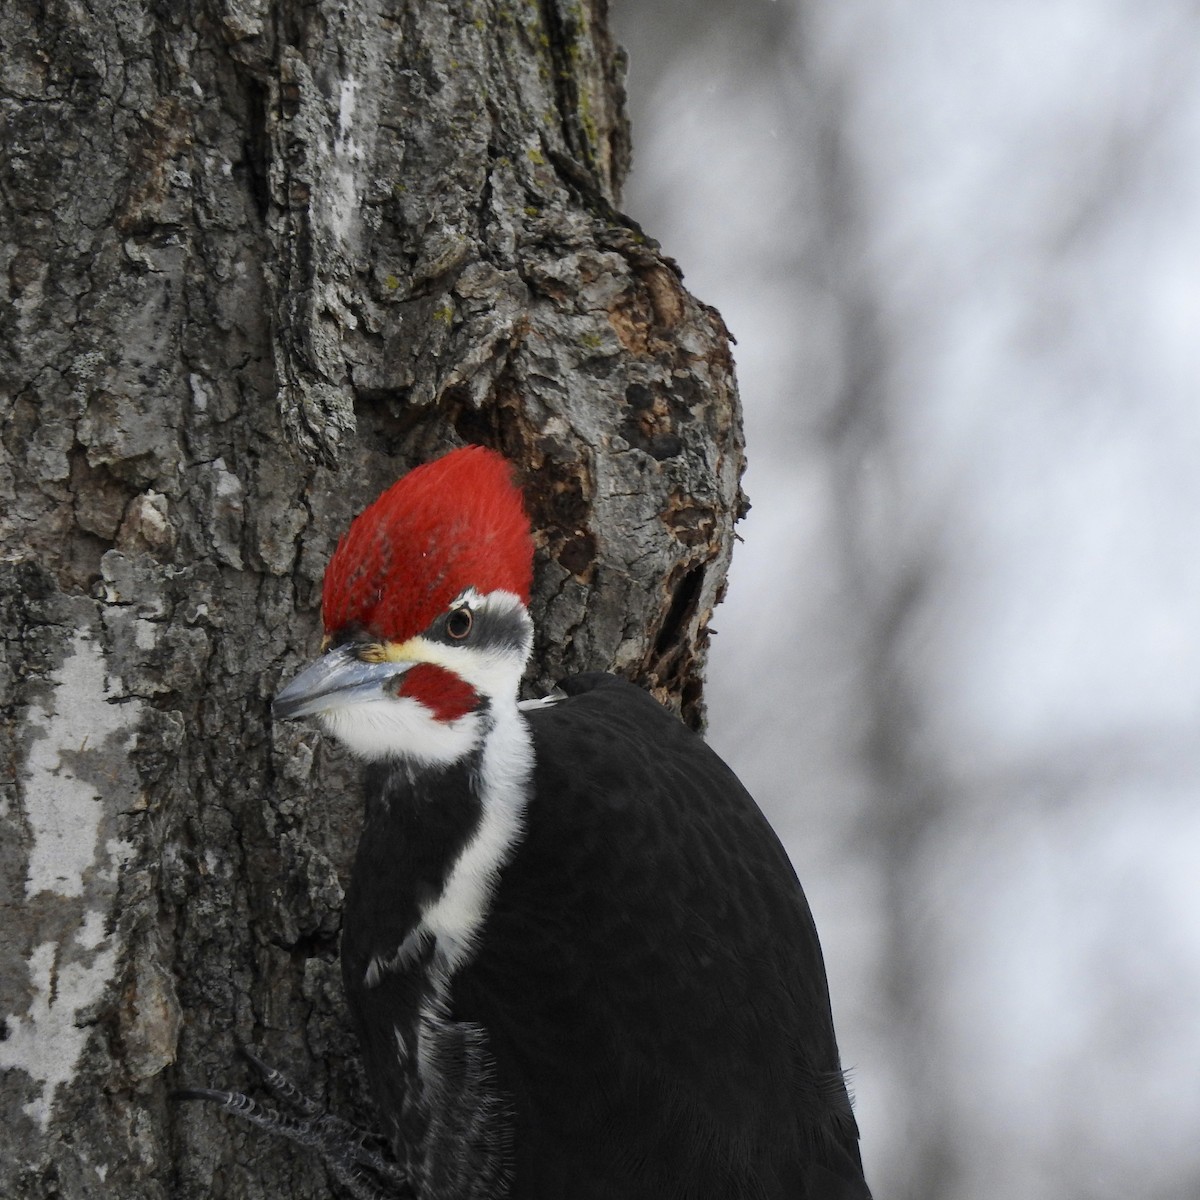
258 259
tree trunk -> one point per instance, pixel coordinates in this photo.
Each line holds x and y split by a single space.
260 259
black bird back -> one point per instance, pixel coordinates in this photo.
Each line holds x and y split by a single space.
646 1015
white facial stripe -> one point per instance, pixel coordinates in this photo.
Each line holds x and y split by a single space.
395 726
492 670
489 672
402 727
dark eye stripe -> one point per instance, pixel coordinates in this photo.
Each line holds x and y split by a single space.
489 629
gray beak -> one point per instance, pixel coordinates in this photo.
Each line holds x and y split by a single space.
338 678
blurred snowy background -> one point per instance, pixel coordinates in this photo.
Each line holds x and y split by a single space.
959 245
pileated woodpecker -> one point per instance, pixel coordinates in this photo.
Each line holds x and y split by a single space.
579 962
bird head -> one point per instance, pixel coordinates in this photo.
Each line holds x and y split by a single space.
425 613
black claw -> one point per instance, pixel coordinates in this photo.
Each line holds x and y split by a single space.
342 1146
281 1086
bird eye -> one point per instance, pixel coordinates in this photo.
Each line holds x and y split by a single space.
459 622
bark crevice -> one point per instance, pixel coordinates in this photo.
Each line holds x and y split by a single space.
258 260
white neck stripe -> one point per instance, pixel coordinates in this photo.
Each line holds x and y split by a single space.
456 916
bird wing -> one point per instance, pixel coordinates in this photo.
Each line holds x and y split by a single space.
650 974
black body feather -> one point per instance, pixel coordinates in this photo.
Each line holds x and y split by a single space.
645 1015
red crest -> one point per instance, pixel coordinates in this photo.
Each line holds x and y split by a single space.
452 524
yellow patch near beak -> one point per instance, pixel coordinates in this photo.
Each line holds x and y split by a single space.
415 650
